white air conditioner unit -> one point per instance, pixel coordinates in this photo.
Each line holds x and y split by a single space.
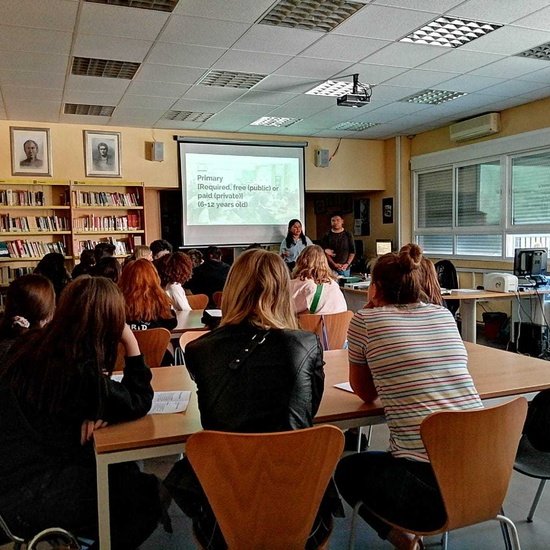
477 127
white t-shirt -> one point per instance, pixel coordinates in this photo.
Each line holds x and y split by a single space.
178 297
331 300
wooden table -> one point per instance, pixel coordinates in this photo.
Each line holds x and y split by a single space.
496 373
468 304
189 320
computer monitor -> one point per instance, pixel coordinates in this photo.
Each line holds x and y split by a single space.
530 263
383 246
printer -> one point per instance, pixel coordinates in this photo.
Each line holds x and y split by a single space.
500 282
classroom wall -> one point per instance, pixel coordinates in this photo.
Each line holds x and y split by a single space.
358 164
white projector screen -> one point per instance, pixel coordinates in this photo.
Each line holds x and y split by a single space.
238 193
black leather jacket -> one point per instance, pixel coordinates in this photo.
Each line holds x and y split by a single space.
250 385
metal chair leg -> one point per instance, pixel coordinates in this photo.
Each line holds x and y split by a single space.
514 536
536 501
444 540
505 532
353 527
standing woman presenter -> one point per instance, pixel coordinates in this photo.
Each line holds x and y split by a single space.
294 242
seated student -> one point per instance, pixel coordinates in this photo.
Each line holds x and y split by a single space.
397 343
103 250
52 266
429 280
159 248
196 256
174 271
87 262
313 285
140 251
269 377
210 276
56 390
147 304
30 303
108 267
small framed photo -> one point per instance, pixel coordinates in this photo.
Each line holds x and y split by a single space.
102 154
31 151
387 210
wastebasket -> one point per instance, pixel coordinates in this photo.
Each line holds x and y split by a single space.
493 321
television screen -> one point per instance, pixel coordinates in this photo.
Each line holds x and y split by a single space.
530 262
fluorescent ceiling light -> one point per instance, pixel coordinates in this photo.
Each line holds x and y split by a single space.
332 88
450 32
230 79
188 116
433 97
355 126
279 122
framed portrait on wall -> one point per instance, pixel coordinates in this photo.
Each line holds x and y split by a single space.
31 153
102 154
387 210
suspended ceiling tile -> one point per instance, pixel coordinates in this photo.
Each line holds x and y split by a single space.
386 23
159 89
152 72
94 84
247 11
111 47
32 79
500 11
401 54
25 39
184 55
55 14
344 48
458 60
250 62
280 40
322 69
120 21
34 61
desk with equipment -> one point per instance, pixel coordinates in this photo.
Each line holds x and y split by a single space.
496 373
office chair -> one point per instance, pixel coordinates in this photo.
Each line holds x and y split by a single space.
332 328
265 489
472 455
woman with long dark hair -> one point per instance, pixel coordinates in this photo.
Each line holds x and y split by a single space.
294 242
55 391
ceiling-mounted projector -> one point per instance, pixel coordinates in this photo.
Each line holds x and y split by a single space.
359 96
353 100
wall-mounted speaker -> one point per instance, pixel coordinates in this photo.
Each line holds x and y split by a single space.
321 158
155 151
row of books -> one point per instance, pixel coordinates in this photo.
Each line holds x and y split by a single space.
22 248
9 223
100 198
123 247
107 223
8 274
12 197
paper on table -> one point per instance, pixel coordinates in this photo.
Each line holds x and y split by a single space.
117 377
346 386
165 402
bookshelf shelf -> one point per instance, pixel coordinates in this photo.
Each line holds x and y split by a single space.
73 207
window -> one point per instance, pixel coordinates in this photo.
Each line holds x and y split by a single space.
484 209
459 210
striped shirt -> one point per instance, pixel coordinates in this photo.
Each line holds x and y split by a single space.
419 366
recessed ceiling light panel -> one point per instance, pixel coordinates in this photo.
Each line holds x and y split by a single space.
156 5
540 52
279 122
332 88
231 79
107 68
433 97
90 110
313 15
450 32
355 126
188 116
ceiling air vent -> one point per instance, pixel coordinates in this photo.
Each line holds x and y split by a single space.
477 127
